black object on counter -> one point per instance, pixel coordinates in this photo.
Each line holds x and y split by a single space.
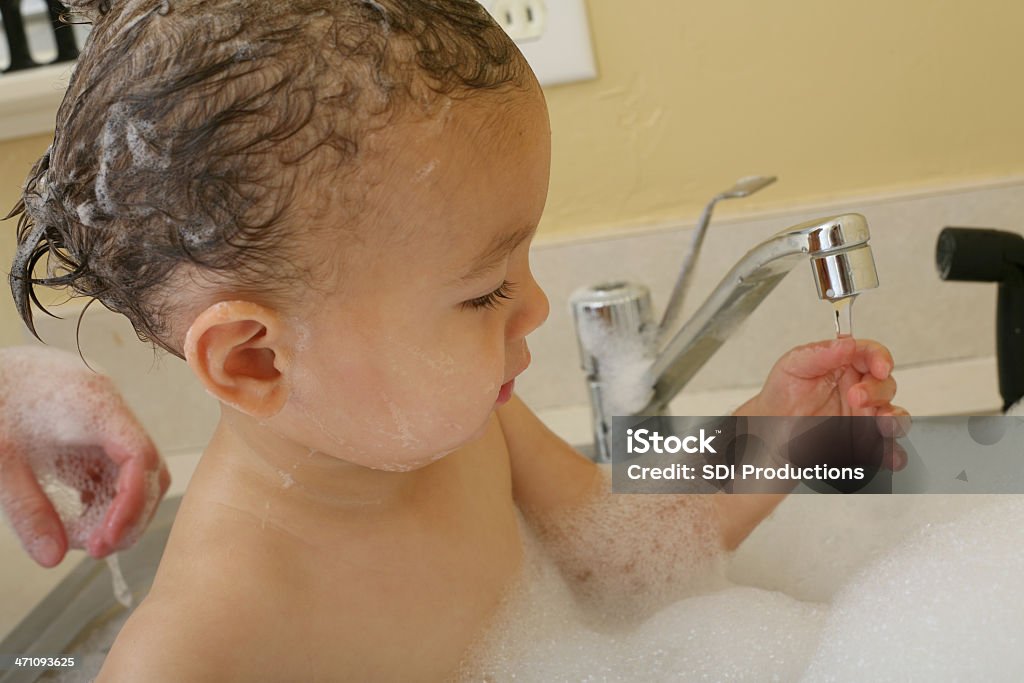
986 255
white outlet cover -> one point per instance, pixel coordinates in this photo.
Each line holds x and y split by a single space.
523 20
559 51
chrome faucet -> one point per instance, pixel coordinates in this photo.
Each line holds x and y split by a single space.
635 367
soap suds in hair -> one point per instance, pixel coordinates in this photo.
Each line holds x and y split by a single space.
190 132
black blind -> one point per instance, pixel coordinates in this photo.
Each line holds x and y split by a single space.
17 37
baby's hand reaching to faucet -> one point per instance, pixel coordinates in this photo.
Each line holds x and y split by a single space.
837 377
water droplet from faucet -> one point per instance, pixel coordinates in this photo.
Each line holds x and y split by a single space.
843 309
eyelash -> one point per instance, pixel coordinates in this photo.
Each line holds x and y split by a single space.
493 299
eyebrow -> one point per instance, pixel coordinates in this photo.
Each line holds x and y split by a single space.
497 250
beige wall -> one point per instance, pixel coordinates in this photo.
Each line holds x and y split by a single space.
836 98
16 159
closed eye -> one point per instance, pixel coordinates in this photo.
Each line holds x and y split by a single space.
492 299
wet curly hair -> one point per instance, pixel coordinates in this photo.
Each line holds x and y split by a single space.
187 125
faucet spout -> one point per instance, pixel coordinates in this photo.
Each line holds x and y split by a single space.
842 265
631 371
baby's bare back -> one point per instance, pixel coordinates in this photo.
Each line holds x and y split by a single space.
263 585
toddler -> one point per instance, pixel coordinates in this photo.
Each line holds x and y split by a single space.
326 207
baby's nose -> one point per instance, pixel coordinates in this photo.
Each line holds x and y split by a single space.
533 311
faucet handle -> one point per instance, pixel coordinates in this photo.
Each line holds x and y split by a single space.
613 325
609 311
744 187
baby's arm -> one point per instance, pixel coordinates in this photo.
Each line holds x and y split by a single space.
550 478
624 546
624 555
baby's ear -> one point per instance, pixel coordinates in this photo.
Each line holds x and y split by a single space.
237 349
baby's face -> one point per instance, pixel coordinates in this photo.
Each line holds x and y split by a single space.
426 327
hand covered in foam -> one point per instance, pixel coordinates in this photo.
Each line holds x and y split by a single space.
76 468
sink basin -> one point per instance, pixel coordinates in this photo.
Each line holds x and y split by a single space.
80 616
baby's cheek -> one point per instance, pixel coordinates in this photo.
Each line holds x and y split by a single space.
455 405
404 410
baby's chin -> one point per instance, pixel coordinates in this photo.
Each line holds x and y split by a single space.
409 465
409 462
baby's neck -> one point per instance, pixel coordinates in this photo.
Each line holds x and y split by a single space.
248 454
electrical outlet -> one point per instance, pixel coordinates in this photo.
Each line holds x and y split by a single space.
553 35
523 20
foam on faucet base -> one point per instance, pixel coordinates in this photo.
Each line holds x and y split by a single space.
624 364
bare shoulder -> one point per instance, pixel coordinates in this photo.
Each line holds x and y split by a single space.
209 617
158 644
218 635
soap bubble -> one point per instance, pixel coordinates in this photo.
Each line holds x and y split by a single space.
912 588
81 482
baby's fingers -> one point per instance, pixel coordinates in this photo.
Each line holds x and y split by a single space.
871 393
893 422
895 457
872 358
